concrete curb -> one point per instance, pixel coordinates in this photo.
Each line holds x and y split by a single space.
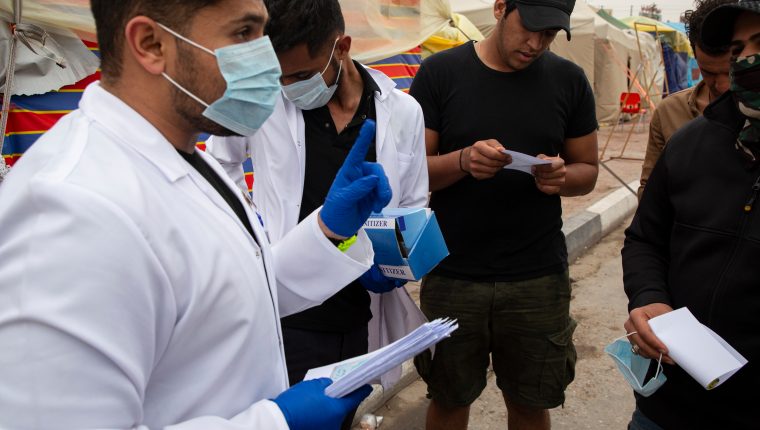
582 231
587 228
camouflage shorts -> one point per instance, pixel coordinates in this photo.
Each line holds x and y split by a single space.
524 327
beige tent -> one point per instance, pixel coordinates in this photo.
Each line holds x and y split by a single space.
616 51
605 53
479 12
580 50
610 56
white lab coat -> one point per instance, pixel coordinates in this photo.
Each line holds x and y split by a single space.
278 155
131 295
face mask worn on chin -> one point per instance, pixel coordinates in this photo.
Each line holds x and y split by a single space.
252 73
313 93
745 85
634 367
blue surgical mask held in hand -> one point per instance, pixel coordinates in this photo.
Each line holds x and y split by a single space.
313 93
252 73
634 367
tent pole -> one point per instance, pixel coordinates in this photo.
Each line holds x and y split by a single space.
9 72
662 52
619 114
641 53
17 11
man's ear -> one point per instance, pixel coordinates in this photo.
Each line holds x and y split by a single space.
499 7
146 44
343 47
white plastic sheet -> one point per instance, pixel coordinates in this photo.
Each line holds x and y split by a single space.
379 28
73 15
383 28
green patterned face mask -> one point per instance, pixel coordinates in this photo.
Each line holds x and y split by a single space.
745 85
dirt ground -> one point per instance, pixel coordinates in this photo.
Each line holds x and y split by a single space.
628 168
599 398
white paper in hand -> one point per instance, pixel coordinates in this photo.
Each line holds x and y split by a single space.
703 354
351 374
523 162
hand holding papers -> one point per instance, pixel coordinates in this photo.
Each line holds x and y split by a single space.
351 374
523 162
703 354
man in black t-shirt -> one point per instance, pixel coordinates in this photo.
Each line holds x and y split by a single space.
506 278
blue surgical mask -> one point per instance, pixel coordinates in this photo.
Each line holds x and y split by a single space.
634 367
252 73
313 93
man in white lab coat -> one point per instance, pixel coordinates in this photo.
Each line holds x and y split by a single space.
326 98
137 286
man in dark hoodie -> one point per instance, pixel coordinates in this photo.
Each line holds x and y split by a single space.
695 240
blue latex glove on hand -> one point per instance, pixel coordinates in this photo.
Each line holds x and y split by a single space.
359 189
306 407
374 280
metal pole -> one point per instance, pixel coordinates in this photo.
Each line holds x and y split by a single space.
9 72
618 178
630 132
641 53
17 11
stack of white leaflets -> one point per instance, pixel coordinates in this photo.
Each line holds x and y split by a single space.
351 374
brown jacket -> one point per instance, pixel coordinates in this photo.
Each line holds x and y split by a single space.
673 113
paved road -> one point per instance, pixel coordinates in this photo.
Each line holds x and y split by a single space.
599 398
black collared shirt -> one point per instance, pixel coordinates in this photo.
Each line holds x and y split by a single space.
326 150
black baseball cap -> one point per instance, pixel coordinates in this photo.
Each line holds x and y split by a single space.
540 15
718 27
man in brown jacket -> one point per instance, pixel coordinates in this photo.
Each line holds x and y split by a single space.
679 108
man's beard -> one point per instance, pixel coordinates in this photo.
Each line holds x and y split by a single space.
186 107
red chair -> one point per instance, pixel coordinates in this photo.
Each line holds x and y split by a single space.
630 103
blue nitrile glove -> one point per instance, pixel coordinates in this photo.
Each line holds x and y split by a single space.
374 280
306 407
359 189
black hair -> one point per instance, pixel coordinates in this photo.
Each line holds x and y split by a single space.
511 6
111 18
694 20
313 22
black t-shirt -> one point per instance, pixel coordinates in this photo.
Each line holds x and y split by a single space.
326 150
503 228
218 184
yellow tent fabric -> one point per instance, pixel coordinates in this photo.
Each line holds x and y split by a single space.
677 40
459 31
647 24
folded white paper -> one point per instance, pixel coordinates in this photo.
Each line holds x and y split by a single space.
703 354
351 374
523 162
